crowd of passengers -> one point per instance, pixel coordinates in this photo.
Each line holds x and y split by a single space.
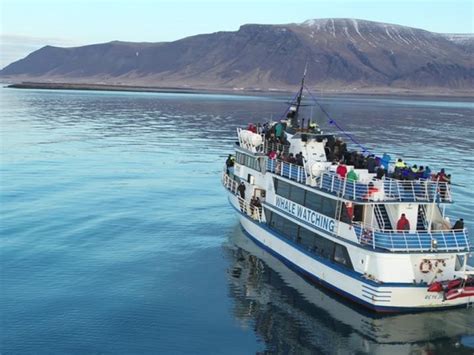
337 152
275 132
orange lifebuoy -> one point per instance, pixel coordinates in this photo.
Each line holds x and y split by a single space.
426 266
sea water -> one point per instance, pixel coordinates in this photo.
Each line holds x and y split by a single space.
116 235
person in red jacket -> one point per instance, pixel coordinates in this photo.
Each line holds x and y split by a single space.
403 223
341 170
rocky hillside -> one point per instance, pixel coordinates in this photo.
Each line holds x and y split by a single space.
342 54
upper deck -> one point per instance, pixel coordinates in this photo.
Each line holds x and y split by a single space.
381 190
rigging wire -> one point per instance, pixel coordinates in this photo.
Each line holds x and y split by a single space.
334 123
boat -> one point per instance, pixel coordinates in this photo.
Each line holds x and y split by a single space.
380 238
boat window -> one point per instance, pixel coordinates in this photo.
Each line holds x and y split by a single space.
341 256
324 247
344 214
311 200
313 242
314 202
329 207
291 230
297 194
358 213
282 188
306 238
268 215
459 262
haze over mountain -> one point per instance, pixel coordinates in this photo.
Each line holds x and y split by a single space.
342 54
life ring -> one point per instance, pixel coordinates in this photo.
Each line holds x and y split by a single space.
425 266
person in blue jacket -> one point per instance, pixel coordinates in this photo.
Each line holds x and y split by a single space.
385 161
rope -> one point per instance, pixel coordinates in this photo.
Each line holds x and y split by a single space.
334 123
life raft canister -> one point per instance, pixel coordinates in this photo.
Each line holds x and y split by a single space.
426 266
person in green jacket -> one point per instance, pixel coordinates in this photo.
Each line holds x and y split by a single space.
352 176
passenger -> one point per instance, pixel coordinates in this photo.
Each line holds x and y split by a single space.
420 173
272 155
371 164
278 131
337 152
403 223
443 181
405 173
409 173
441 176
258 203
459 224
352 176
414 169
341 170
329 153
229 163
385 161
300 159
400 164
380 172
343 149
241 191
252 128
371 191
254 207
360 162
427 173
313 127
399 172
291 159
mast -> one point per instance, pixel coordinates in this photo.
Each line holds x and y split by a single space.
294 110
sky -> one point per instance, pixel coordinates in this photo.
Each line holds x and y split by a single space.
27 25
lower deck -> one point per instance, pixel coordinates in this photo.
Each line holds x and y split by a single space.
381 297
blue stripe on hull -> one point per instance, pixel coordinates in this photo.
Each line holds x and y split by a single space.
317 280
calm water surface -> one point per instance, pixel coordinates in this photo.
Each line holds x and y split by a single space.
116 236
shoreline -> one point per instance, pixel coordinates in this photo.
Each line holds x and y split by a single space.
179 90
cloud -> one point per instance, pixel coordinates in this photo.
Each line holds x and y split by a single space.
14 47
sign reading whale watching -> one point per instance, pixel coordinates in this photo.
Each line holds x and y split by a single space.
305 214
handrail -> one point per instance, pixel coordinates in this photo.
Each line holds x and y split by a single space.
387 189
439 240
245 207
288 170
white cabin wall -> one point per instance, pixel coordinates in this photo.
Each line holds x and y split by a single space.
439 222
411 213
312 150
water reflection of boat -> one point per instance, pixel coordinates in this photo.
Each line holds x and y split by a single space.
292 315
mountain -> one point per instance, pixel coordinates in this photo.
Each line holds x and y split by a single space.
342 54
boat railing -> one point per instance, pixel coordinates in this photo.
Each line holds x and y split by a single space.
249 209
288 170
276 147
386 189
407 241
